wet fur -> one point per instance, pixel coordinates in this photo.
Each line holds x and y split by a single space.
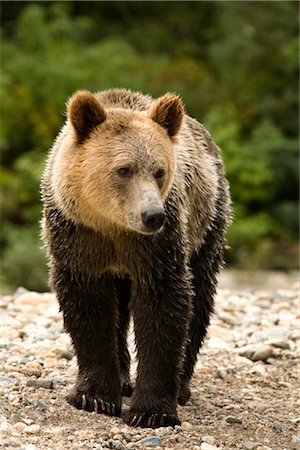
103 271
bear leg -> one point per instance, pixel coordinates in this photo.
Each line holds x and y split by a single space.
123 292
90 316
161 311
205 264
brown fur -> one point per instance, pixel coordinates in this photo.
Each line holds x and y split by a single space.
135 209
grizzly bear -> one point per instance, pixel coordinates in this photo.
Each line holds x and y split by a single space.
135 210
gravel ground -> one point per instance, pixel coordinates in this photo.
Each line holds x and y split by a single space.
245 391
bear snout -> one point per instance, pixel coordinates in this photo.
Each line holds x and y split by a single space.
153 218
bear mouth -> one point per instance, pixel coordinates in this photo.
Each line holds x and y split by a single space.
144 230
151 222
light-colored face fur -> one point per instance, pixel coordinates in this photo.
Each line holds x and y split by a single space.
115 165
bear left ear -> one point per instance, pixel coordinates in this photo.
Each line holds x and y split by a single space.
85 113
168 112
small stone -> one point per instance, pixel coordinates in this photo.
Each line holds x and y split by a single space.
151 441
243 361
257 352
164 431
218 343
208 439
277 426
117 437
236 398
114 430
279 343
5 382
274 362
19 291
127 437
31 447
221 373
220 332
39 404
248 445
34 365
40 383
72 371
32 429
34 368
186 426
50 362
232 420
66 354
205 446
19 426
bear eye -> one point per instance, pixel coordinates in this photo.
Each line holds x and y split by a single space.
125 172
160 173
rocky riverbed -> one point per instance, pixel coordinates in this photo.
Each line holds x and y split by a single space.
245 392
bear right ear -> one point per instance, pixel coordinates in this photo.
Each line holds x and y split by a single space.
168 112
85 113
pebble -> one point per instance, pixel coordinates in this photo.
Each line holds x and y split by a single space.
279 343
19 426
186 426
257 352
209 439
5 382
220 332
278 426
249 445
151 441
232 420
218 343
32 429
205 446
40 383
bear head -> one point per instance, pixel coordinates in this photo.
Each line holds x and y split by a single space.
114 165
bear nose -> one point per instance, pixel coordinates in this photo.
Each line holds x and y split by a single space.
153 218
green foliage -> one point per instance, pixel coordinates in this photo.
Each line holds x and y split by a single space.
234 64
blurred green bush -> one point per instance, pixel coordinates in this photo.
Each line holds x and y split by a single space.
236 67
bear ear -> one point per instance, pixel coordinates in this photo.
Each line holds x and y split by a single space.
85 113
168 112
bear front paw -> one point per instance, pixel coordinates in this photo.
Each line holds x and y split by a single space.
150 420
94 404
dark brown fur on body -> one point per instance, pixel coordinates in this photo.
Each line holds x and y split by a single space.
109 165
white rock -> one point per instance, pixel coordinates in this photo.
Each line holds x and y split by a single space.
220 332
243 361
208 439
218 343
257 352
32 429
31 447
205 446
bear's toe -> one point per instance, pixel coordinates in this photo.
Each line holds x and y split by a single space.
156 420
94 404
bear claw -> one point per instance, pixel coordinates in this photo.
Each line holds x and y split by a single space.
98 405
156 420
